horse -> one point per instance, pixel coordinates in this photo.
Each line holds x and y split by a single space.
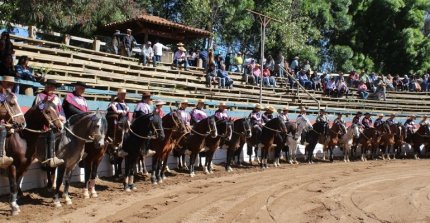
316 135
174 130
94 155
79 129
252 146
400 136
293 139
420 137
225 132
241 131
335 133
365 140
270 130
142 130
196 139
117 130
388 141
346 140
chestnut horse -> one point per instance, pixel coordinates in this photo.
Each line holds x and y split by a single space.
388 141
241 132
268 134
224 128
334 135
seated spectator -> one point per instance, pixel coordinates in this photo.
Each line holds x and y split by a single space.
304 80
362 90
6 66
405 83
330 86
397 83
316 81
211 75
180 57
224 81
342 88
372 81
381 90
354 79
295 64
229 60
247 74
268 79
219 61
256 73
364 77
425 83
307 66
147 54
388 80
414 85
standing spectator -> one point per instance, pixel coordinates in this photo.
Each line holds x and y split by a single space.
268 79
397 83
295 64
224 80
425 83
270 64
203 55
362 90
129 42
229 60
316 81
381 89
304 79
413 84
256 73
373 81
238 62
330 86
307 66
147 54
180 57
6 46
280 60
158 52
388 82
116 40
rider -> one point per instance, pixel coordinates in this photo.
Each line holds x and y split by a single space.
302 112
410 125
117 109
322 116
184 116
48 94
75 103
143 107
198 114
159 107
390 121
356 119
5 87
424 121
378 121
367 121
284 114
268 114
256 120
221 113
339 119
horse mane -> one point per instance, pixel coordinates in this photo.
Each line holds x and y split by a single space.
74 118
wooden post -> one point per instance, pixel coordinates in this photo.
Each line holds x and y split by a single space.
32 32
96 45
66 39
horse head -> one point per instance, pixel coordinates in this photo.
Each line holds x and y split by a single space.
242 127
224 128
98 129
212 129
11 111
281 124
303 124
47 111
342 128
157 125
355 130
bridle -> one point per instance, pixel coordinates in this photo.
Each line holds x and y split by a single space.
275 130
50 120
227 124
153 136
12 116
245 130
93 137
210 129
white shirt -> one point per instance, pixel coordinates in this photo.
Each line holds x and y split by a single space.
158 49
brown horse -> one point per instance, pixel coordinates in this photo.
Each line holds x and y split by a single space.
22 146
334 135
241 131
174 130
400 136
224 128
268 134
118 127
420 137
388 140
365 140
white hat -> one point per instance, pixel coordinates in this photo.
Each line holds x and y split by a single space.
122 91
159 102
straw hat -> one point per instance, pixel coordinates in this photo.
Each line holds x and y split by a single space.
146 94
302 108
271 108
180 44
222 104
425 116
367 113
10 79
257 65
185 101
392 114
182 49
80 83
381 115
285 108
201 101
52 82
128 30
122 91
257 106
159 102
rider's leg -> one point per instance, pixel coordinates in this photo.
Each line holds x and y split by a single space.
5 161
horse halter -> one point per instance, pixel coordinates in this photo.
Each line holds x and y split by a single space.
227 123
93 137
12 115
153 136
245 130
210 129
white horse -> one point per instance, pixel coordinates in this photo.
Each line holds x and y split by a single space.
303 124
352 132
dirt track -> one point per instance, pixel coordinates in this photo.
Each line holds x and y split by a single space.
375 191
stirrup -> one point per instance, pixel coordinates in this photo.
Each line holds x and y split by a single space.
5 161
53 162
122 153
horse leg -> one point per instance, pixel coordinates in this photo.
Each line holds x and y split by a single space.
164 167
331 148
249 152
130 173
92 184
127 170
13 190
145 170
193 158
416 152
154 169
50 175
158 168
184 163
236 155
209 157
67 176
230 154
60 176
87 169
278 151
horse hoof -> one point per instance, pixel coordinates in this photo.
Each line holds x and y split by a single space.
154 183
57 204
192 174
15 213
69 202
94 195
211 172
160 181
127 189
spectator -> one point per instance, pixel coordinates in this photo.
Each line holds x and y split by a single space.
397 83
364 77
268 80
116 40
256 73
381 89
373 81
307 66
24 72
203 55
330 86
224 80
216 51
6 46
6 66
413 84
248 76
147 54
295 64
229 61
180 57
270 64
238 62
304 80
211 58
316 81
280 60
362 90
129 42
388 82
425 83
211 75
405 83
158 52
219 61
353 79
341 87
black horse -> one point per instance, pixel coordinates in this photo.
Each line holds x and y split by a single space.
142 130
271 130
241 132
314 136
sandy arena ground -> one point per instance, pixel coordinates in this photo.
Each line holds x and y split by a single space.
374 191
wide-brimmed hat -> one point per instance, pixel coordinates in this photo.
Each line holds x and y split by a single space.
121 91
296 58
10 79
359 113
425 116
52 82
257 65
257 106
80 83
184 101
338 113
392 114
302 108
285 108
322 110
181 48
128 30
200 101
146 94
381 115
270 108
413 116
367 113
159 102
222 104
180 44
